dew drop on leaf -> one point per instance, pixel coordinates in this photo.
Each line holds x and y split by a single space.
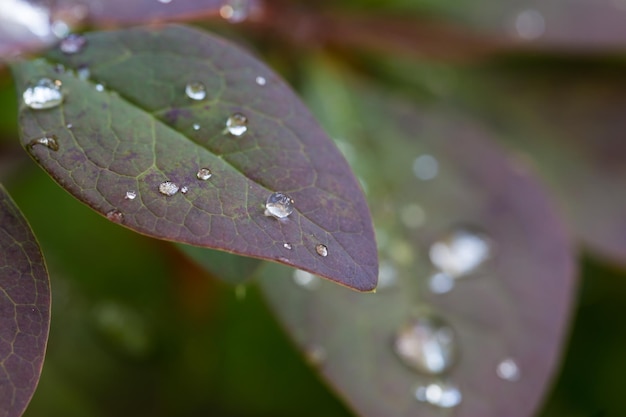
279 205
49 142
72 44
322 250
237 124
184 189
130 195
204 174
196 126
99 87
168 188
460 252
195 91
508 370
287 246
43 94
261 80
306 280
442 395
426 344
115 216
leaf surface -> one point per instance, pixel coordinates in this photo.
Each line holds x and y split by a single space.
514 306
24 309
143 131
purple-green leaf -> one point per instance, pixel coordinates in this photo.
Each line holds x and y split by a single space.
24 309
131 134
430 172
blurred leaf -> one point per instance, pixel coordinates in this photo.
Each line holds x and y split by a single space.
429 172
24 307
225 266
140 134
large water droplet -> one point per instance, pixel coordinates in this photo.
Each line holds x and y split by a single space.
115 216
443 395
460 252
44 94
237 124
195 91
306 280
49 142
204 174
168 188
425 167
322 250
426 344
508 370
279 205
72 44
440 283
130 195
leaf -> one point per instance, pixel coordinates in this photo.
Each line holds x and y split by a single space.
225 266
514 306
24 309
139 133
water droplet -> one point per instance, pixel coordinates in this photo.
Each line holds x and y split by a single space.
83 72
387 275
322 250
196 126
168 188
508 370
115 216
72 44
99 87
49 142
130 195
184 189
443 395
316 355
60 29
165 1
306 280
195 91
287 246
426 344
261 80
237 124
235 11
44 94
412 216
279 205
440 283
530 24
460 252
204 174
425 167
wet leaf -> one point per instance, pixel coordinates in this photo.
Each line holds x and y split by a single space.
429 172
24 307
133 151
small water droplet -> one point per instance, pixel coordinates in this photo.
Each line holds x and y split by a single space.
49 142
195 90
412 216
69 125
440 283
460 252
316 355
425 167
322 250
306 280
168 188
184 189
72 44
508 370
442 395
165 1
530 24
235 11
83 72
99 87
261 80
43 94
196 126
237 124
387 275
115 216
287 246
204 174
279 205
130 195
426 344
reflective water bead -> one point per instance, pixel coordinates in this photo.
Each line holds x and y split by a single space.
115 216
426 344
287 246
184 189
279 205
260 80
440 283
195 91
72 44
508 370
49 142
165 1
443 395
43 94
322 250
237 124
168 188
204 174
130 195
99 87
306 280
460 252
196 126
